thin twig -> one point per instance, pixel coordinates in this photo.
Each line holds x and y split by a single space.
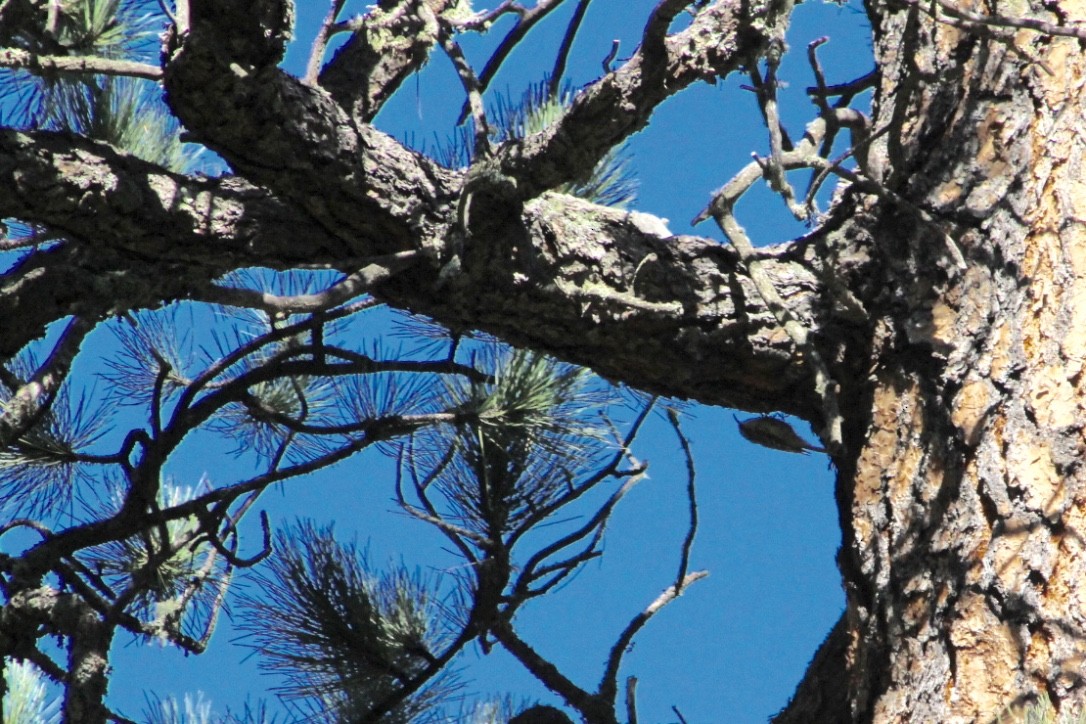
631 699
608 469
33 398
208 529
472 87
320 43
611 55
609 682
691 493
526 20
567 44
25 60
376 271
420 493
1005 21
774 167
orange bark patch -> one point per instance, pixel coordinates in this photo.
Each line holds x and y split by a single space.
987 656
1063 589
1034 472
1052 398
1003 362
1006 557
881 469
971 406
943 318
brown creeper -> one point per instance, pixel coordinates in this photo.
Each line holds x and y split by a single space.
774 433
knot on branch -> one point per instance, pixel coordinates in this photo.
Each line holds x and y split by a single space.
248 34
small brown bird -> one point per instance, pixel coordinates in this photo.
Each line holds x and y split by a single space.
775 433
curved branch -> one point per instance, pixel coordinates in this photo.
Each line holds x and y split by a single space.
389 43
722 38
377 270
609 683
141 235
27 404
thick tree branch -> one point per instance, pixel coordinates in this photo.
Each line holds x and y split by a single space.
223 83
144 235
391 42
721 39
293 138
623 300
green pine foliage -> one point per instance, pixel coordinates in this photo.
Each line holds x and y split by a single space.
342 636
27 700
127 113
501 442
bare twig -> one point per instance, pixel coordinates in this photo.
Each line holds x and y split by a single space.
825 386
375 272
594 524
610 468
850 88
721 209
821 92
1005 21
567 44
37 64
472 87
631 699
526 20
27 404
609 682
208 529
205 378
691 493
767 94
320 43
611 55
996 27
449 532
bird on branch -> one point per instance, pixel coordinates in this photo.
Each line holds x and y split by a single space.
776 434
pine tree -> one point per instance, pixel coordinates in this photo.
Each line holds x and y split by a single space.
238 231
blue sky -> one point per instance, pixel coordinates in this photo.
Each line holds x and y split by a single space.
734 647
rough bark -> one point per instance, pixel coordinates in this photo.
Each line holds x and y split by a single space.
961 490
963 506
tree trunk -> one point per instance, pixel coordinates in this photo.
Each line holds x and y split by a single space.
963 498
